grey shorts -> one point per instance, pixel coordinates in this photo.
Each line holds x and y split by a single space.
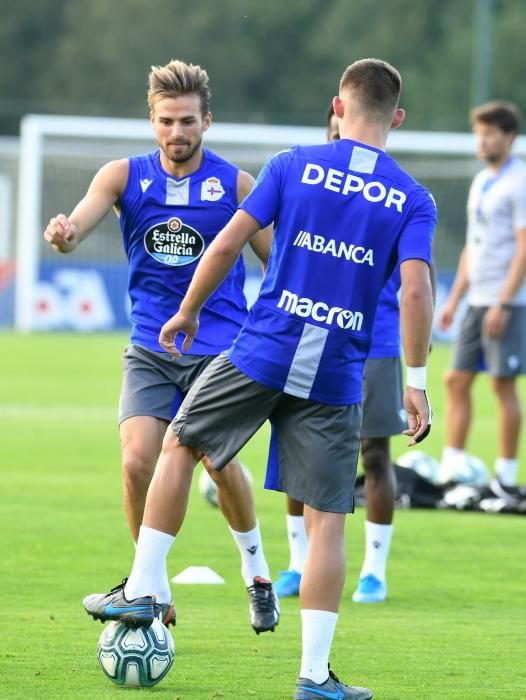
474 351
383 409
314 447
155 383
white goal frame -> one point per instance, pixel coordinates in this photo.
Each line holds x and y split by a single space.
34 128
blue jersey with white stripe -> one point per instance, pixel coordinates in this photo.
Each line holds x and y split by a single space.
166 224
385 341
344 214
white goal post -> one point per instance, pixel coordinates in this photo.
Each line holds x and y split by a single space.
238 140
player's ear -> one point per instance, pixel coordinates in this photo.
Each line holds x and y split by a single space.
337 105
398 118
152 117
207 120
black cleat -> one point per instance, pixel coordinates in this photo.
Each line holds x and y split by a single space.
139 612
166 613
332 688
263 605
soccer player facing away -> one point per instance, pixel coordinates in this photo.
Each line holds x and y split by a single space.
171 204
383 416
492 270
299 357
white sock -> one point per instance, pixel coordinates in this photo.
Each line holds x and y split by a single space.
317 631
253 562
298 542
506 470
149 575
377 544
452 460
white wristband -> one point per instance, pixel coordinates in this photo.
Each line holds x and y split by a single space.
416 377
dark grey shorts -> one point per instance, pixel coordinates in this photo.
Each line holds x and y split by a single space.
155 383
314 447
383 409
474 351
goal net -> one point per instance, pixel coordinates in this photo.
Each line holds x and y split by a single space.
87 290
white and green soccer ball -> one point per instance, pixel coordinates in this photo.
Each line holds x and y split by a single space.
208 488
471 471
136 658
421 463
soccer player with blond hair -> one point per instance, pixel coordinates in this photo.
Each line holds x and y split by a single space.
171 204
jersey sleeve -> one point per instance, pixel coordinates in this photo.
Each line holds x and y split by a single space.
417 237
519 205
263 200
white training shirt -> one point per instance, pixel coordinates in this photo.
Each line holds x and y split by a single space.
496 210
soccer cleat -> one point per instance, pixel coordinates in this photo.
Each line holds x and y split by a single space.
510 494
139 612
288 584
166 613
370 590
263 605
332 689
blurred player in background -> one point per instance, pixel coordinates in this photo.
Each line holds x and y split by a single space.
383 416
299 357
171 204
492 270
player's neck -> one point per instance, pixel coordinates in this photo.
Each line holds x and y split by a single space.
496 165
179 170
366 132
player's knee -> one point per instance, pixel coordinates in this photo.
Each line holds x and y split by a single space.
456 382
504 388
376 459
231 474
137 468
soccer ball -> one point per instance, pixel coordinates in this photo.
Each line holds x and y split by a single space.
208 488
136 658
470 471
421 463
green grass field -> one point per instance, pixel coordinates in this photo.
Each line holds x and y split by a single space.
453 627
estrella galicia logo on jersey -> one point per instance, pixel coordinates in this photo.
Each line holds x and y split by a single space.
174 243
320 311
211 189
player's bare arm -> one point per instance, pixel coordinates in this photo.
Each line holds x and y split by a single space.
459 288
416 316
215 264
261 242
497 316
65 233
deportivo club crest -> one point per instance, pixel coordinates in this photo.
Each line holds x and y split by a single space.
174 243
211 190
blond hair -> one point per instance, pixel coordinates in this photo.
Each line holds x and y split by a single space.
178 78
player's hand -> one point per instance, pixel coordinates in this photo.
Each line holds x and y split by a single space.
446 316
418 414
180 323
496 321
61 234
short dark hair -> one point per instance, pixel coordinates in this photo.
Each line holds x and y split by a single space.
504 115
377 83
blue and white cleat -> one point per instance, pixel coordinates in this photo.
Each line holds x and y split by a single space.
288 584
138 612
370 590
332 689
